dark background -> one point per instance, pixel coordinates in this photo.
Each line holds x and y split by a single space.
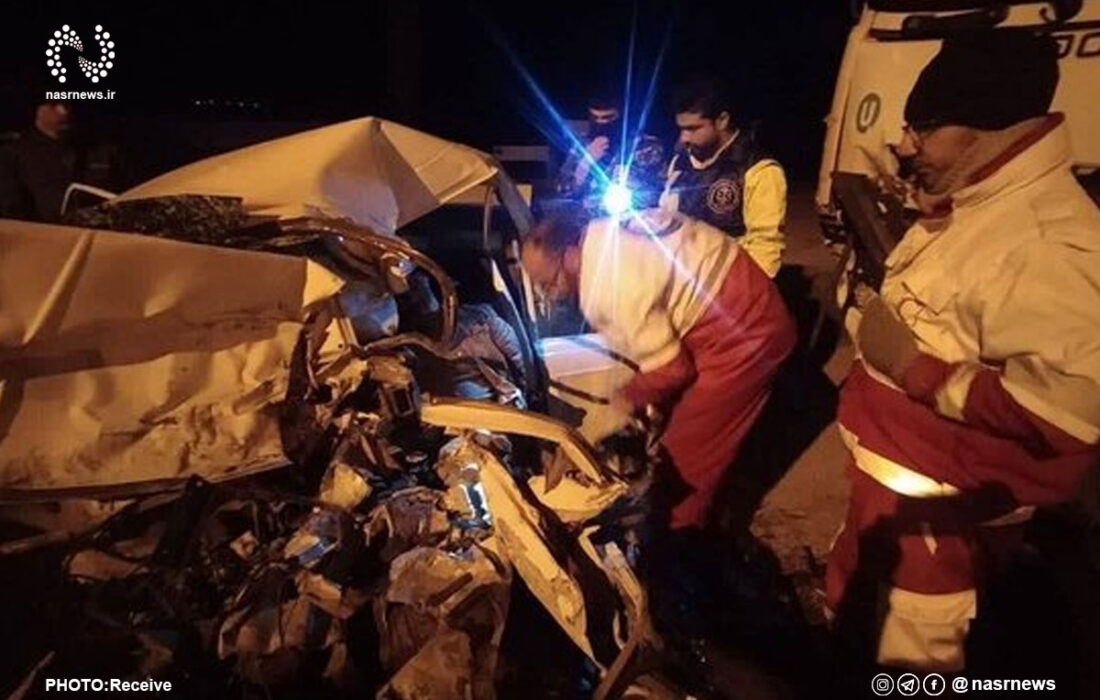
449 68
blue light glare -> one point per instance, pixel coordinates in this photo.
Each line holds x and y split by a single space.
617 198
548 120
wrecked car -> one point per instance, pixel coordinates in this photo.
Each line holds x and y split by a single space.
277 446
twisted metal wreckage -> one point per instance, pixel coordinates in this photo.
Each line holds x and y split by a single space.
266 436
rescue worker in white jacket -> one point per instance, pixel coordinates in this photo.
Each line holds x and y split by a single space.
704 324
976 395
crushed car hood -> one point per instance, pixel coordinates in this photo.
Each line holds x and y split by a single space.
128 358
377 173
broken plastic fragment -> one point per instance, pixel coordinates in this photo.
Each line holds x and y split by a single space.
458 466
245 545
575 502
99 566
319 535
344 487
336 601
409 518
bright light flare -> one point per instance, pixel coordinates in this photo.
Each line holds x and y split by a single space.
617 199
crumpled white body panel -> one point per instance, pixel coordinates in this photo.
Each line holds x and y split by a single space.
127 358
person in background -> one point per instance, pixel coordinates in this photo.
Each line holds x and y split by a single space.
721 176
37 168
975 396
586 173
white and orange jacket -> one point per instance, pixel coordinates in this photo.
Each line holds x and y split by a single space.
645 281
1003 297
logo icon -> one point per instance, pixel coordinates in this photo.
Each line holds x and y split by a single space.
934 684
867 112
724 196
882 685
959 685
908 684
93 70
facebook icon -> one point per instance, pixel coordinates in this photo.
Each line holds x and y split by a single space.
934 684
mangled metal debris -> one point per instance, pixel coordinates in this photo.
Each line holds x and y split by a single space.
405 513
440 620
276 582
317 469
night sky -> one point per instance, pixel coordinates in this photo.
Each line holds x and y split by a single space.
443 67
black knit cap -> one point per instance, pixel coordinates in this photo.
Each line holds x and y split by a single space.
986 80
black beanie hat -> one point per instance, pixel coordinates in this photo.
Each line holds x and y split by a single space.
986 80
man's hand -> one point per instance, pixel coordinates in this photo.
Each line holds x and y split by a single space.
596 150
885 342
598 147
